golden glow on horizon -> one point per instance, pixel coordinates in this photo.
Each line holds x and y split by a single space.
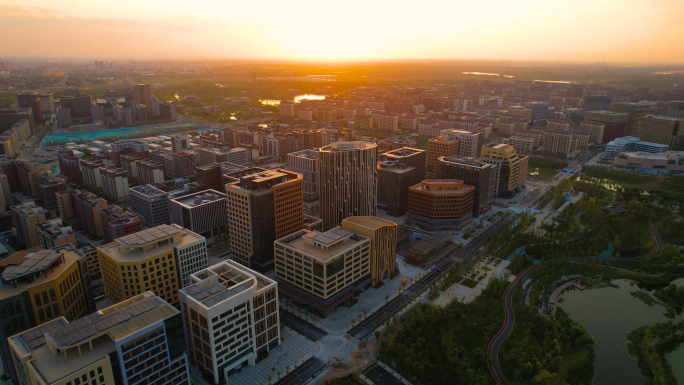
586 30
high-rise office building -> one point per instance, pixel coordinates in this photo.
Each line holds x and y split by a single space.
79 107
69 167
211 176
594 129
262 205
151 204
597 103
508 167
117 223
47 102
287 109
474 173
469 143
90 171
662 130
203 213
614 123
87 207
437 148
210 155
306 162
348 181
129 147
142 93
323 270
31 100
634 111
9 117
675 109
114 183
231 316
53 234
133 342
160 259
25 217
180 142
383 236
395 179
150 172
38 286
411 157
565 144
437 204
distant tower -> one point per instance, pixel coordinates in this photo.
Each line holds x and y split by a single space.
253 77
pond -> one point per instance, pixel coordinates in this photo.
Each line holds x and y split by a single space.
609 314
297 99
676 360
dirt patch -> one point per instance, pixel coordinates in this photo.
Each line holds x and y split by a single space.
340 366
356 355
362 345
348 337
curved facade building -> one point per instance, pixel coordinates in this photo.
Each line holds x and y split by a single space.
348 181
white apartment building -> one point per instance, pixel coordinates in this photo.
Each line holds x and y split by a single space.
230 313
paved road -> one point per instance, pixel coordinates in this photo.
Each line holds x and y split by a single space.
302 372
394 306
301 326
509 315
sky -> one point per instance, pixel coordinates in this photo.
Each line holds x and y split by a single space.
579 30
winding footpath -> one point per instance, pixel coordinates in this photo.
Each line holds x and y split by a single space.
509 319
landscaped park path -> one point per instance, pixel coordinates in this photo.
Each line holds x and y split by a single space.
509 319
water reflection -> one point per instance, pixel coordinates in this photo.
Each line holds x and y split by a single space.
609 314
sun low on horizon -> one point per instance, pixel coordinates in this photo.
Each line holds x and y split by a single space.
629 30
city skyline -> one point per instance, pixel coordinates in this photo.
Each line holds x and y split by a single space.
526 30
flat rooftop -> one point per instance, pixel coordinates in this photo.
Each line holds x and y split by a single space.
102 328
148 191
44 268
199 198
404 151
309 154
347 146
323 246
144 244
369 222
223 281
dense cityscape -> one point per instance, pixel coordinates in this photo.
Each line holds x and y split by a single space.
252 223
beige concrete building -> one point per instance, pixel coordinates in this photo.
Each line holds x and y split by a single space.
437 148
383 236
323 270
52 234
469 143
508 167
25 217
594 129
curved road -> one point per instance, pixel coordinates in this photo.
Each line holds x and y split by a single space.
509 319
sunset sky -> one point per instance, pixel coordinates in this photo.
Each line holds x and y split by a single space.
585 30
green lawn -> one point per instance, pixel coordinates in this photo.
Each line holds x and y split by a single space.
469 283
542 172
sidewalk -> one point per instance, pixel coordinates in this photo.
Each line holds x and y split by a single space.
369 301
